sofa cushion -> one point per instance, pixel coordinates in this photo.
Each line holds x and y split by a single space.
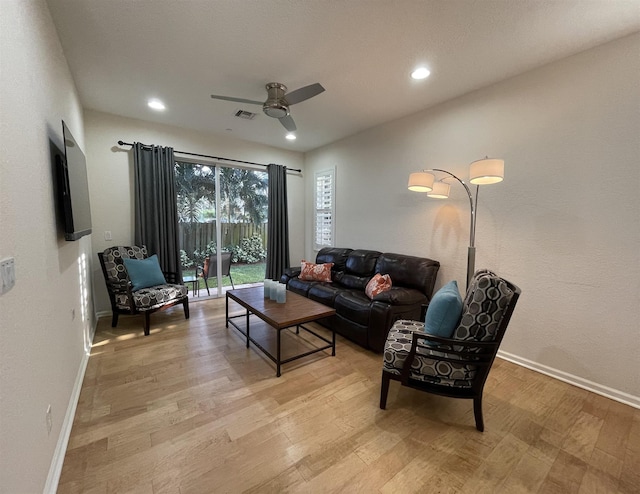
351 281
378 284
362 263
409 271
144 273
444 311
359 269
336 255
299 286
325 293
353 305
402 296
315 272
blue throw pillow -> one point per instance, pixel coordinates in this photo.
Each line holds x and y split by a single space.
144 273
444 312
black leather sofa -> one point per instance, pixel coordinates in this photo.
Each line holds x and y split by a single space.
359 318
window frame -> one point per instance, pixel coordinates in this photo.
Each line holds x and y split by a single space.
320 177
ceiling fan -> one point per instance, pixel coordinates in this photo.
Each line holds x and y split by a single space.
279 101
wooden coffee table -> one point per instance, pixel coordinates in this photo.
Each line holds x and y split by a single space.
296 311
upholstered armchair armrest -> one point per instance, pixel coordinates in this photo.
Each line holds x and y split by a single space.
120 286
460 352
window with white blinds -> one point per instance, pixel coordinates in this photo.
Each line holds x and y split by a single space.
324 227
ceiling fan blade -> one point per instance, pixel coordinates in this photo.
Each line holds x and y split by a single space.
303 93
288 123
238 100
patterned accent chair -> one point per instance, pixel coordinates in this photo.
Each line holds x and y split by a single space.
456 367
144 301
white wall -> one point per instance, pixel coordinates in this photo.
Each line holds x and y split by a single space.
111 177
564 225
42 349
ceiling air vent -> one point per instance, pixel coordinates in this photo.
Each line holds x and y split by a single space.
247 115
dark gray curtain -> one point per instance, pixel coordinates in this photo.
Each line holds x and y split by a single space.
156 213
278 223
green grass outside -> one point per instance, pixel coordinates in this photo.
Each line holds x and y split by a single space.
241 274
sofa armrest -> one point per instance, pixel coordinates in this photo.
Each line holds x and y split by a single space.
382 317
290 273
293 272
401 296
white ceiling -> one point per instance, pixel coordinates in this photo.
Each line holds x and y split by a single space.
122 52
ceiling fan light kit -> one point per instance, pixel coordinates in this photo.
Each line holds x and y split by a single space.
278 101
276 106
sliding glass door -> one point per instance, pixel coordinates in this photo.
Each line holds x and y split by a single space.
222 214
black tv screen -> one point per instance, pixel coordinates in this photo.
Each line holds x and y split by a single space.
73 188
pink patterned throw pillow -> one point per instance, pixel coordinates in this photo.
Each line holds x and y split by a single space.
315 272
378 284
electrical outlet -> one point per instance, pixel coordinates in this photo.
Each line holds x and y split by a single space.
107 235
7 274
49 421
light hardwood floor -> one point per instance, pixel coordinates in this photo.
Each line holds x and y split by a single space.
189 409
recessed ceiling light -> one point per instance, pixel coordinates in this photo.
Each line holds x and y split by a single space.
156 104
420 73
291 136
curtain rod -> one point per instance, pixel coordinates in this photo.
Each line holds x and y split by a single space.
122 143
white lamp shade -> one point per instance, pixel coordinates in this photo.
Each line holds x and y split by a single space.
421 182
440 190
486 171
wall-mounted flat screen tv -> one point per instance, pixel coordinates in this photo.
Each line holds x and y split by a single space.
73 188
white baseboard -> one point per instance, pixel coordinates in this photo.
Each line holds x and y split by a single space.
55 469
103 313
614 394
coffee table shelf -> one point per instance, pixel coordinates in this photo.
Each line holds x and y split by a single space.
295 312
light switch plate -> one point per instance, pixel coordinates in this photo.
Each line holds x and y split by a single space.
7 274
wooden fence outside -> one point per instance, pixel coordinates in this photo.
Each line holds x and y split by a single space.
196 236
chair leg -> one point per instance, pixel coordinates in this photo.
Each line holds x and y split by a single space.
384 390
477 412
114 319
230 278
207 285
147 322
185 304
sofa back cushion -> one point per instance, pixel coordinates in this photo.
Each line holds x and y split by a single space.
336 255
359 269
409 271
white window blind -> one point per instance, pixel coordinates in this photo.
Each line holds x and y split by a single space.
324 209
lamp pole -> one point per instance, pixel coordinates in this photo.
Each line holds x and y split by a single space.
481 172
471 253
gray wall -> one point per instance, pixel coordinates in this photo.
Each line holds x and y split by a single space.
42 346
564 224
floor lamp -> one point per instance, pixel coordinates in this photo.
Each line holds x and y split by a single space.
481 172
